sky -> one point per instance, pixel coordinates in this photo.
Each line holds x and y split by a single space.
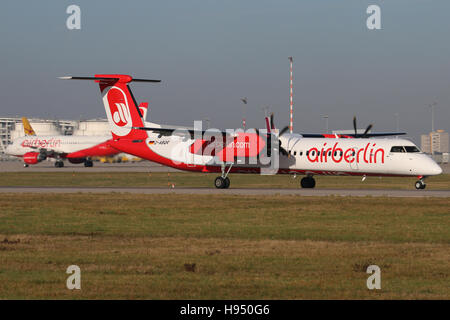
209 54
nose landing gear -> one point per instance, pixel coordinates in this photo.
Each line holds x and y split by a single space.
420 184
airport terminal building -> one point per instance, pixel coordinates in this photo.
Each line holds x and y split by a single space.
436 143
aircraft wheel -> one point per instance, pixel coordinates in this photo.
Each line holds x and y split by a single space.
308 182
25 165
88 163
59 164
420 185
227 183
220 183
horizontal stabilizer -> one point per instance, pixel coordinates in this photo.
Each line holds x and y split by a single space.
109 77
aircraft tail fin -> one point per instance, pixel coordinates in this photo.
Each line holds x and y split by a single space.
122 111
27 128
143 108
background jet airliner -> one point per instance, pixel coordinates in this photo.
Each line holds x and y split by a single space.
76 149
365 156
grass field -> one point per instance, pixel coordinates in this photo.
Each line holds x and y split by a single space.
243 247
186 179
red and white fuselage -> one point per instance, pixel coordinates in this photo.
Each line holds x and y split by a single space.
315 156
75 148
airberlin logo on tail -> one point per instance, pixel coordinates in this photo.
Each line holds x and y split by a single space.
118 111
122 116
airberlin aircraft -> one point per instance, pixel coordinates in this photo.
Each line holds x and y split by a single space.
76 149
265 151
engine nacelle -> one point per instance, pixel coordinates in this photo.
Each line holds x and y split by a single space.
31 157
76 160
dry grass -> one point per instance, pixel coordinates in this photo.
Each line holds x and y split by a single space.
223 247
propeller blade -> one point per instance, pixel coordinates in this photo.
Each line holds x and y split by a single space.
282 150
354 126
272 123
367 130
283 131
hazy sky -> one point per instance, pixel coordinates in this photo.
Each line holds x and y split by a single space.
209 54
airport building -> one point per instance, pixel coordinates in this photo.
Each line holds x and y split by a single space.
436 143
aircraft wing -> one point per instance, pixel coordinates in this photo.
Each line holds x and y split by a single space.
351 135
170 131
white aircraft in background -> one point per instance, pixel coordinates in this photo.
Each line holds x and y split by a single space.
225 152
76 149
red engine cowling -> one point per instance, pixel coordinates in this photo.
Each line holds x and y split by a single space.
31 157
76 160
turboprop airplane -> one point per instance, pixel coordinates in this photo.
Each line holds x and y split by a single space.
265 151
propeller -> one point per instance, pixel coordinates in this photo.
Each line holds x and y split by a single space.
364 135
283 131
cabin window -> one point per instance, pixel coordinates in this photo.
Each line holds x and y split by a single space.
295 153
397 149
301 153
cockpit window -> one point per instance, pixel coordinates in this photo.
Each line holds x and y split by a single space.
411 149
404 149
397 149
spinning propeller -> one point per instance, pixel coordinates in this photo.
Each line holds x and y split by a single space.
283 131
365 134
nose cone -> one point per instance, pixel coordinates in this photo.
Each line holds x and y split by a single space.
433 168
8 149
437 169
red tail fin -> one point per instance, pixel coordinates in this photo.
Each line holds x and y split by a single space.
120 106
143 108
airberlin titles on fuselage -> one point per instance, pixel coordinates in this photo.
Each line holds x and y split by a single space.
41 143
349 155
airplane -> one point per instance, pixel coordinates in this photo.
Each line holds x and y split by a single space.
76 149
231 151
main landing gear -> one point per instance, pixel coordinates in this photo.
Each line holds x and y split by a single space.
223 182
59 164
420 184
88 163
308 182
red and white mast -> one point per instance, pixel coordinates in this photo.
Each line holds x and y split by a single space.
291 97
